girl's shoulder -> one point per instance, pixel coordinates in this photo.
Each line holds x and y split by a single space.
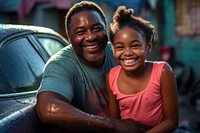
157 63
158 66
161 65
115 69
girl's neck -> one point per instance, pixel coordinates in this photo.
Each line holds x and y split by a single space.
138 72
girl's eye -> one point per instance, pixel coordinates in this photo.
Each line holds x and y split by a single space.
118 47
135 45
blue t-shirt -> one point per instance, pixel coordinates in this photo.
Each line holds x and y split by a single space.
83 86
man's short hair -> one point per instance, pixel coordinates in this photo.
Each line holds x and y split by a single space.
83 6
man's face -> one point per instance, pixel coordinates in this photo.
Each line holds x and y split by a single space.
87 33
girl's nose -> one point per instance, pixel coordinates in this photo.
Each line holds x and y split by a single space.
128 52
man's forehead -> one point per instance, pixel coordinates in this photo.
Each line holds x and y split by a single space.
86 17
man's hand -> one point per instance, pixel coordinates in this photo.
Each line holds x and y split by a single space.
129 126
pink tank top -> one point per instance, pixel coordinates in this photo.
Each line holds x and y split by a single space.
145 106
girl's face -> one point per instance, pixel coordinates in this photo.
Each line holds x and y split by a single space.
130 48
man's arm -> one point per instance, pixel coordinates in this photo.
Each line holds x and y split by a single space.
54 109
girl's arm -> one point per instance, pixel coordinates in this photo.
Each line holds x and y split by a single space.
170 103
112 102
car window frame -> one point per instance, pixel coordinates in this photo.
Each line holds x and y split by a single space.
33 38
56 37
38 48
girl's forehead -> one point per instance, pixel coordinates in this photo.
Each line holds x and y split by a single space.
128 35
127 32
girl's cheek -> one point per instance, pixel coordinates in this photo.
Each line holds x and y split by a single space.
142 51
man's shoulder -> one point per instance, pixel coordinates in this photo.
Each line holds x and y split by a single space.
63 54
109 46
63 57
109 49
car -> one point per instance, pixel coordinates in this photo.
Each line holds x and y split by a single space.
24 50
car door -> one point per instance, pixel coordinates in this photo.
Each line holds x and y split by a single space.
21 72
22 60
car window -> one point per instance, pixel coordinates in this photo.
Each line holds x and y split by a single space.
21 66
50 45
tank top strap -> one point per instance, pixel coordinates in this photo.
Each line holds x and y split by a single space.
157 69
113 75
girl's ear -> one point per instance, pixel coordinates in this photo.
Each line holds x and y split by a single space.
149 47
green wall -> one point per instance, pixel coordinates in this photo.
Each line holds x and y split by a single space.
187 49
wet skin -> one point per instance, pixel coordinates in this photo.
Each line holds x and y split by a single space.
88 35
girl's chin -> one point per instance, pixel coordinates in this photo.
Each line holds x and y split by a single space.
128 69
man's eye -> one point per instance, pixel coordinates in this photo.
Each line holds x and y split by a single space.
98 28
79 32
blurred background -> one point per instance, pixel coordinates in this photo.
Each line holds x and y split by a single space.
177 25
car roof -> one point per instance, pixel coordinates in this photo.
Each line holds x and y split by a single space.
10 29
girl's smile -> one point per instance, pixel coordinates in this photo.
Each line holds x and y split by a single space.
130 48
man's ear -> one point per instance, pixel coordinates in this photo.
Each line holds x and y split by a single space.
68 38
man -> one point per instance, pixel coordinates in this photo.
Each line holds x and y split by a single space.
72 94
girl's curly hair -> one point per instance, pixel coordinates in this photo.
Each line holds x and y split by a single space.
125 17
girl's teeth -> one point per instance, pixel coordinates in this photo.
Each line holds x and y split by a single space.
129 61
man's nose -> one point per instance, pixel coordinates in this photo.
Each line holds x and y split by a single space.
90 36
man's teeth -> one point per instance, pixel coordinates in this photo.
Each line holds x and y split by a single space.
91 47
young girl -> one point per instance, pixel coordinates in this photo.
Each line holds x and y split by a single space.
139 89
